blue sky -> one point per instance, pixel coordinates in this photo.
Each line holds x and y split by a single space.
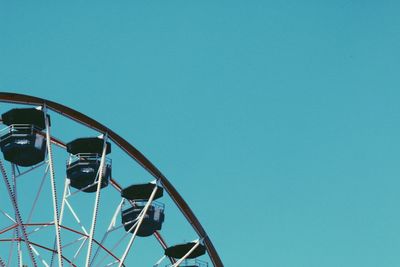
277 121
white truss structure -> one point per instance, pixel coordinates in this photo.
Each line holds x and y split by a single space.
70 234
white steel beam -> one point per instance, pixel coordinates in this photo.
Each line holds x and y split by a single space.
17 213
187 254
96 202
17 235
64 198
37 195
76 217
111 227
159 261
53 188
78 251
11 249
117 243
146 207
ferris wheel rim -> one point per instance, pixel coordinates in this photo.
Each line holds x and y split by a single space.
130 150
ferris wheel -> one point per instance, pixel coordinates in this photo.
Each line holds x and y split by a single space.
71 196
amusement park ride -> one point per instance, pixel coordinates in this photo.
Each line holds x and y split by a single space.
39 227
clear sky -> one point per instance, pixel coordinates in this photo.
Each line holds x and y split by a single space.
278 121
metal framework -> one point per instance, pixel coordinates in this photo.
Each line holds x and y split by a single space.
22 230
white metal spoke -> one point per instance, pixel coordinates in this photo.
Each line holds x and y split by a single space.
10 253
120 226
159 261
40 257
111 263
20 258
74 242
83 189
17 213
111 227
123 236
53 188
78 251
96 203
117 243
40 227
53 253
61 216
136 220
7 216
114 218
19 249
64 198
187 254
76 217
98 248
146 207
37 195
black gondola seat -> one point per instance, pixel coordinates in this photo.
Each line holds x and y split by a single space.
152 221
180 250
23 142
140 194
84 163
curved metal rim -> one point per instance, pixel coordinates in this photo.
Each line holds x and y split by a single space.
131 151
